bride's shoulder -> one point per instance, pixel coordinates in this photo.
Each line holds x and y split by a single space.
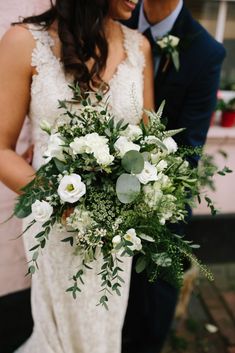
16 47
138 39
17 39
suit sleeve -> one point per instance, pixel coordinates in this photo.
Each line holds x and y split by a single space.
199 104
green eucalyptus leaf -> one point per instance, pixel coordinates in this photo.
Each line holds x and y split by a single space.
141 264
133 162
127 188
22 210
146 237
162 259
60 165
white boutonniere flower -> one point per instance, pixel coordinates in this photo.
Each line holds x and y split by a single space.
170 45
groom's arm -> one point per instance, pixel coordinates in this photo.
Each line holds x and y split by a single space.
199 103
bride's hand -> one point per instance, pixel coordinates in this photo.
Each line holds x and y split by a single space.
66 214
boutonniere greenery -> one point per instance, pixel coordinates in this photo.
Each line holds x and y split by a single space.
170 46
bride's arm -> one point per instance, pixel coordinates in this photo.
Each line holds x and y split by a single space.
15 79
148 77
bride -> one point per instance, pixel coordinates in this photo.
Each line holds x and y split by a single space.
74 41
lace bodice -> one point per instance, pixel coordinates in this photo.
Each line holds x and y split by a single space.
50 84
61 324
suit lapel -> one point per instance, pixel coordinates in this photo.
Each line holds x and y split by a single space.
179 30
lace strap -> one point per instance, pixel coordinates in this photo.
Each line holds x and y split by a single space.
42 52
132 44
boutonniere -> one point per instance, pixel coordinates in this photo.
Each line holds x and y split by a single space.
170 46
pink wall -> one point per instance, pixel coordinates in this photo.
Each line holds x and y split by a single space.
12 260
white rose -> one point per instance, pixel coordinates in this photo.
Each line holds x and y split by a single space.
78 146
41 211
55 148
162 165
132 237
94 140
149 173
116 240
168 40
103 157
71 188
88 144
170 144
132 132
122 146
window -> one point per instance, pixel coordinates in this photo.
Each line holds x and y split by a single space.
218 17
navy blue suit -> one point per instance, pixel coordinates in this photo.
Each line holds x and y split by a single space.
190 96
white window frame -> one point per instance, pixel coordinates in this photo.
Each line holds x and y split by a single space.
221 19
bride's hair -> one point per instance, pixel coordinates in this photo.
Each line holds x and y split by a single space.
81 31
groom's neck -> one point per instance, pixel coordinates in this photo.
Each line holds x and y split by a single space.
157 10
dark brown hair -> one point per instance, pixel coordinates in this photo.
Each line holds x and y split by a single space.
81 31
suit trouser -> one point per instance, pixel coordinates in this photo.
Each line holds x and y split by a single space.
16 322
149 314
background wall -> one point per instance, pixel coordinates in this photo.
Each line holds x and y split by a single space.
12 260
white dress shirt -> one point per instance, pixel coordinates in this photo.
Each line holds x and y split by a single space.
160 29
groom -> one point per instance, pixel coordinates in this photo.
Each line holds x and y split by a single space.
189 86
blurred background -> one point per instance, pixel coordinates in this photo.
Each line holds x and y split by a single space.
205 319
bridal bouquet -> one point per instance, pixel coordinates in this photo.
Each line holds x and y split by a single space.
115 188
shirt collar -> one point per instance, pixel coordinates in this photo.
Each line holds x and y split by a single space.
162 28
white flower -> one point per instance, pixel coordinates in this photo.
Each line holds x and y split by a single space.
132 132
151 140
155 157
55 148
122 146
132 237
93 144
170 144
168 40
116 240
153 195
149 173
80 219
94 140
45 126
71 188
103 157
78 146
162 165
184 167
41 211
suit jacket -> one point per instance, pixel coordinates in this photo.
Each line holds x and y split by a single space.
190 93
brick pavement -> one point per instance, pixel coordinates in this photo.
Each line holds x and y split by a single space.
212 303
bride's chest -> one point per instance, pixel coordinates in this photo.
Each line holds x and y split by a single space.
50 85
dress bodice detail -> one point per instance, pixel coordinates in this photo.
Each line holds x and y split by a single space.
61 324
50 84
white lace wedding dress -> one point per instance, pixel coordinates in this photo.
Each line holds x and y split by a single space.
62 324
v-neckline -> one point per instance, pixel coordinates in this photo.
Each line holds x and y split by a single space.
113 77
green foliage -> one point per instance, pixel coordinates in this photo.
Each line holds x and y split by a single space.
133 162
116 204
127 188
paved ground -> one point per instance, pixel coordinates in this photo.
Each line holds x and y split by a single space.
213 304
